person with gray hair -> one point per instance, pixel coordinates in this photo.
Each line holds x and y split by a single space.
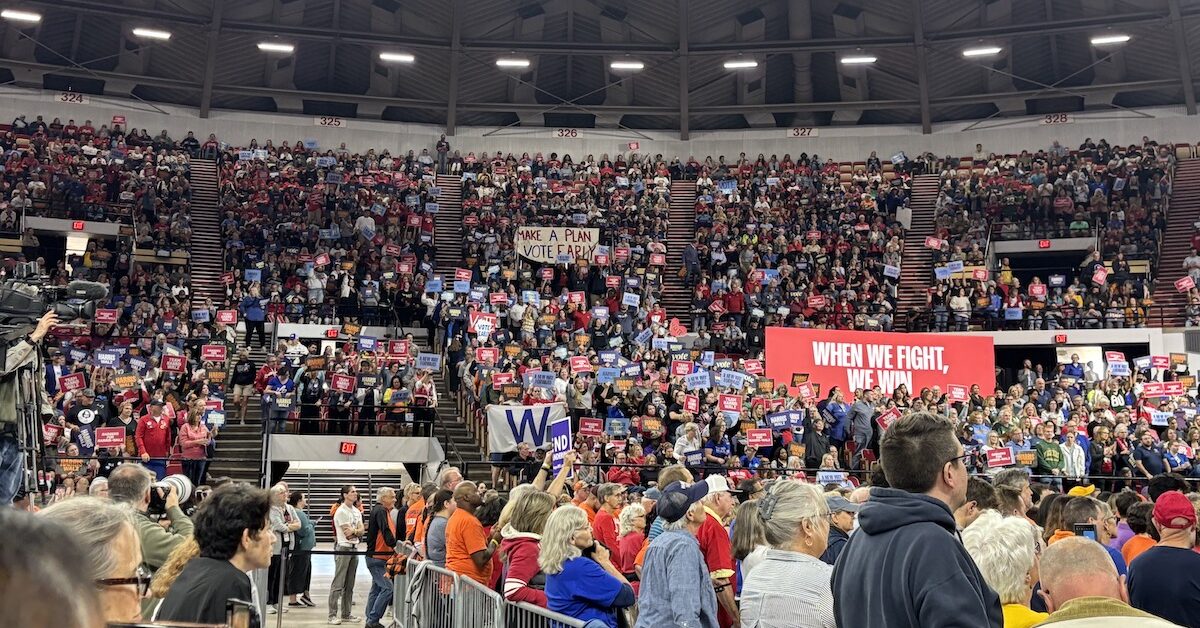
1082 589
40 583
381 544
790 586
130 484
669 595
1006 550
99 487
449 478
283 528
111 555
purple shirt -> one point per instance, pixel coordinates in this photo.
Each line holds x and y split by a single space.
1124 533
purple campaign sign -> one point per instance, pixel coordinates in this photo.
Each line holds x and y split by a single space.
560 436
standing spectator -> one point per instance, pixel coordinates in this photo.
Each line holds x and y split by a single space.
153 437
443 151
381 544
604 526
243 382
348 526
717 548
523 579
842 514
441 506
251 308
790 586
468 549
283 528
1165 579
1148 457
52 591
281 390
1006 549
233 532
130 484
299 576
861 420
193 440
1081 589
1141 523
926 468
588 588
674 564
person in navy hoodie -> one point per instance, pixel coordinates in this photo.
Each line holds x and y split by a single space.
906 566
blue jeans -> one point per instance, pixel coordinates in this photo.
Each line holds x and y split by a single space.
380 594
12 468
158 466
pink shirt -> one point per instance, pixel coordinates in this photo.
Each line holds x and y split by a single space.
188 437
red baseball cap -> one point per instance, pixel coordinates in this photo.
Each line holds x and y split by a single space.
1173 510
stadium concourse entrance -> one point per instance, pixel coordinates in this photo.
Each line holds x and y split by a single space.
1009 358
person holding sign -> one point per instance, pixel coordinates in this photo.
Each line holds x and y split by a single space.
280 397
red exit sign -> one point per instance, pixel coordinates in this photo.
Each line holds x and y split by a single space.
1043 244
349 448
1060 339
331 333
78 225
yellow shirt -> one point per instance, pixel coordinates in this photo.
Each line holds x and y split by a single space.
1019 616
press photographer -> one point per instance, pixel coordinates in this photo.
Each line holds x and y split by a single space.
134 485
19 381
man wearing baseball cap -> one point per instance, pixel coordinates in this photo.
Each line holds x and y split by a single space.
842 514
1165 579
674 564
717 548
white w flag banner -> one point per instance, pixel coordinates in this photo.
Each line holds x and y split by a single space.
510 425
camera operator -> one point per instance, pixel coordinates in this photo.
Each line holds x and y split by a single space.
131 484
22 353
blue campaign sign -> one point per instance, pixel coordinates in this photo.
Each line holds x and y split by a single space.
727 185
531 297
616 426
429 361
607 375
431 208
660 344
732 379
694 457
707 358
956 266
252 274
462 287
697 380
979 433
138 364
942 272
433 285
1012 313
78 355
539 379
785 419
560 436
107 358
643 336
633 370
609 357
600 311
367 343
200 316
1120 369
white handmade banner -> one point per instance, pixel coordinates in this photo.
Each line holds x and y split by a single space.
546 244
510 425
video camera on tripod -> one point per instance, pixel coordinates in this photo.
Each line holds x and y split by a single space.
26 297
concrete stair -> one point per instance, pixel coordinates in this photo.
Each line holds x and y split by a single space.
676 297
447 226
916 267
1182 213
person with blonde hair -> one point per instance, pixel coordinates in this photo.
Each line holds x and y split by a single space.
631 532
166 575
1006 550
790 587
527 514
581 581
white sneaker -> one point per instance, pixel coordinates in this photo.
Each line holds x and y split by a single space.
271 610
335 621
352 618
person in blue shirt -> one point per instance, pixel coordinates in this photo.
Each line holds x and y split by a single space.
1074 368
717 448
835 411
281 392
255 316
581 580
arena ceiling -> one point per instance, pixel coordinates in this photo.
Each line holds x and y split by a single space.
1046 63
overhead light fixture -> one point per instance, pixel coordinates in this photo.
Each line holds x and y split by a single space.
17 15
1108 40
271 46
509 62
397 57
626 65
859 60
151 33
740 64
984 51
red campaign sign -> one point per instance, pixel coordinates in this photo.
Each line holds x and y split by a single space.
1173 389
1114 356
398 348
575 297
213 353
462 274
50 433
471 221
118 120
757 275
600 259
227 278
74 381
498 298
1037 289
1153 389
580 364
589 426
487 354
717 307
753 367
979 274
958 393
806 391
476 317
414 220
621 252
1001 457
854 360
227 317
691 403
730 403
214 404
404 268
816 302
681 368
547 273
932 243
106 316
675 328
321 260
1183 284
110 437
342 383
888 417
758 438
391 250
1160 361
658 259
173 363
501 379
813 235
1100 276
612 281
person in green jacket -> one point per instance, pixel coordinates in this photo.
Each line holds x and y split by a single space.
1049 455
299 573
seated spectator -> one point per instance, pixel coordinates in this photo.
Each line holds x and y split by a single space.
52 590
1141 523
585 587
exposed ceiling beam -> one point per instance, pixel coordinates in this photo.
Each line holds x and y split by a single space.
681 17
1185 60
922 67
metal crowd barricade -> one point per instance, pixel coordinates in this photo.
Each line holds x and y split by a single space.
432 590
526 615
477 606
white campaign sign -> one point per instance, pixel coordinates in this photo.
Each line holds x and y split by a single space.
545 244
510 425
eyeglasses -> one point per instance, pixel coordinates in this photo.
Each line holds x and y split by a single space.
963 458
142 580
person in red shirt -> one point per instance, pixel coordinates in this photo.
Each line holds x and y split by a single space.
604 526
717 548
623 475
153 438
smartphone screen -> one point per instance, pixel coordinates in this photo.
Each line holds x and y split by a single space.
1087 530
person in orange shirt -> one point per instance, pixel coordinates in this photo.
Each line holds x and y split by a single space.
414 522
585 498
468 549
1140 520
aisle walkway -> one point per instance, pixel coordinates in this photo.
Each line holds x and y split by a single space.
322 574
